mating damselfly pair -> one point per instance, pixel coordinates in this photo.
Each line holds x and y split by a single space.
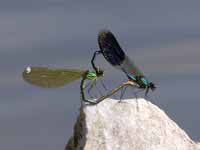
112 52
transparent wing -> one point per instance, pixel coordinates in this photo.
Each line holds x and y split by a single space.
129 67
50 78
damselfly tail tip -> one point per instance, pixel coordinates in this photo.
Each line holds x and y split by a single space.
152 86
104 32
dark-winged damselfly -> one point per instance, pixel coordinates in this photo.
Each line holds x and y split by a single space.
113 53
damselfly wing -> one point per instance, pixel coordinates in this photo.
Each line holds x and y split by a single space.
50 78
114 54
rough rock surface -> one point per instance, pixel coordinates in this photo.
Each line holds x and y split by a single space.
199 145
129 125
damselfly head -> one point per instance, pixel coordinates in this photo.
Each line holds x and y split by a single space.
152 86
99 72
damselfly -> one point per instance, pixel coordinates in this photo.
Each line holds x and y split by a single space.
51 78
114 54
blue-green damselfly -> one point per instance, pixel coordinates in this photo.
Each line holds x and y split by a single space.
113 53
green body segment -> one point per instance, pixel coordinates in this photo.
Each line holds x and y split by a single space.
91 75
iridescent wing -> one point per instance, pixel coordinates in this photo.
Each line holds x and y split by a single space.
50 78
114 54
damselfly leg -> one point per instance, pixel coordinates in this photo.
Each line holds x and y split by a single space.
93 59
103 84
90 88
123 90
82 88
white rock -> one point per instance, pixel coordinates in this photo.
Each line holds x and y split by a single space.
128 125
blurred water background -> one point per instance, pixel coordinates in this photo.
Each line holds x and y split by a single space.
162 37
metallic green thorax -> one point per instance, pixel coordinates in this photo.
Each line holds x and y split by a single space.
91 75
